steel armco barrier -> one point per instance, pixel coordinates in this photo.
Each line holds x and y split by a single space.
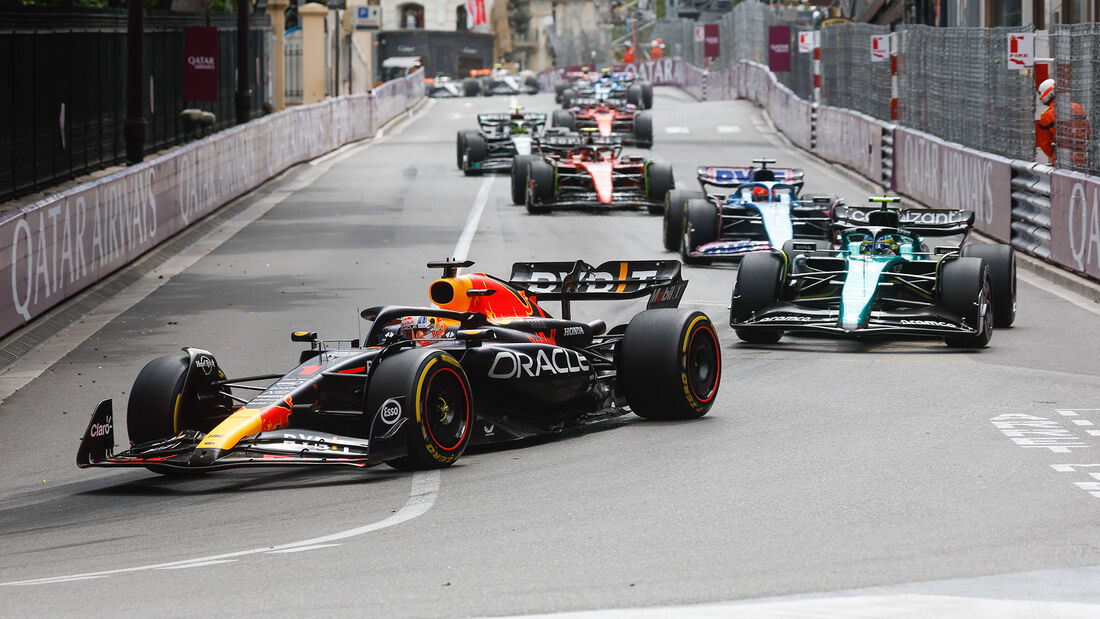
1031 207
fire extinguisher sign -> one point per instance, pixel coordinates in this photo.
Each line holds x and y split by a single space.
1021 50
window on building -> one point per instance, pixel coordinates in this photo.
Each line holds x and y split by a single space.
460 17
412 15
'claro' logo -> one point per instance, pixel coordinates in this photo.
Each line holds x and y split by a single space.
202 63
100 429
513 364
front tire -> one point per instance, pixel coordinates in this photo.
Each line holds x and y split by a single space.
675 209
670 364
439 420
759 284
476 150
700 226
965 290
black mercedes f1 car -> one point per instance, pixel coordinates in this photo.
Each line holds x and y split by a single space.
484 364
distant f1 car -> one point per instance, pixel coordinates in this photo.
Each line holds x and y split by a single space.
594 175
612 88
501 137
502 82
741 210
894 273
442 86
485 364
623 121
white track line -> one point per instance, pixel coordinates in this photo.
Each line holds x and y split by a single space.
467 236
425 489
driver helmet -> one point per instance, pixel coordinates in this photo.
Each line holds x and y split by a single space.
1046 91
418 328
882 246
759 194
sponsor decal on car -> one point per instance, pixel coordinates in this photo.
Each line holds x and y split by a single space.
569 331
514 364
926 323
786 318
101 429
390 411
205 363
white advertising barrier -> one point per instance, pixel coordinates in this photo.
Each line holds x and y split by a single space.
791 115
851 139
946 175
1075 221
59 245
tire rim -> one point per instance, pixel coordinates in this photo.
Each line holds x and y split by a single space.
447 409
704 365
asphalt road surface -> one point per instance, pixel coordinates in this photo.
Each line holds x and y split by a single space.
830 478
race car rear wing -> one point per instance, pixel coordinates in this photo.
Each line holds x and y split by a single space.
728 176
503 118
927 222
616 279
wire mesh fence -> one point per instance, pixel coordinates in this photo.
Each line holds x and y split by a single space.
849 78
1077 96
955 83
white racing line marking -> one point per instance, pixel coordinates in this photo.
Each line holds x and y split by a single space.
467 236
680 130
425 489
729 129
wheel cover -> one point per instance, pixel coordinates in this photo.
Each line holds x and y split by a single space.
446 409
704 364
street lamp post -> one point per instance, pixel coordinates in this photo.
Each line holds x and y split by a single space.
134 129
244 81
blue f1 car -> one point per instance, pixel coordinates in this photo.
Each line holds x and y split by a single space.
742 210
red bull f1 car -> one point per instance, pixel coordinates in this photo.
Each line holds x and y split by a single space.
741 210
594 175
892 273
484 364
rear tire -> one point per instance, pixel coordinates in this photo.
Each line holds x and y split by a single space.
520 165
564 118
659 182
670 364
540 187
567 97
440 418
1002 277
643 129
471 87
675 211
558 89
965 290
759 284
700 226
532 82
461 143
634 96
475 153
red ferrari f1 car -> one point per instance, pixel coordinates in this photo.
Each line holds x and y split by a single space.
634 128
486 363
592 174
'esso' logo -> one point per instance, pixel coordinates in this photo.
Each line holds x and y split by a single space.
390 411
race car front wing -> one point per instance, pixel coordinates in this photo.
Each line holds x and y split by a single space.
287 447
